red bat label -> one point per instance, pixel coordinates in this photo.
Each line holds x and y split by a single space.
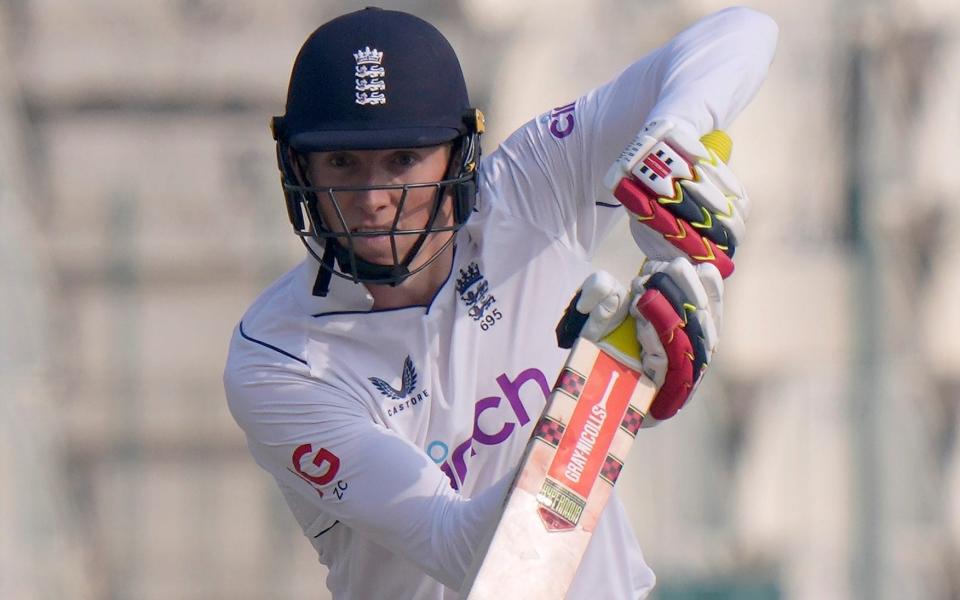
582 450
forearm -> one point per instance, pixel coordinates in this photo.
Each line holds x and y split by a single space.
702 79
393 495
322 445
388 491
713 69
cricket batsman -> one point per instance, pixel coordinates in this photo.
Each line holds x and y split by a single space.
390 381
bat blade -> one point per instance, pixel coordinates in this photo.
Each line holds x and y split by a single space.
571 463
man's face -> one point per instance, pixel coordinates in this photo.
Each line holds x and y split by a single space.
376 210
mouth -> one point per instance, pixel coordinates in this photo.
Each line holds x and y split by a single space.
372 231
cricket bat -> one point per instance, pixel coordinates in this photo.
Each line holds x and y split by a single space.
571 463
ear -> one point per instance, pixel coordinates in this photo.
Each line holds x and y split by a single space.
299 166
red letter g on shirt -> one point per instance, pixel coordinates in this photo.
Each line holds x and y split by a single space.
326 464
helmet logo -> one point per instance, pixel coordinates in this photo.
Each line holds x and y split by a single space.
369 74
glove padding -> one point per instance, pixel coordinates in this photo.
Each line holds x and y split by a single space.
677 307
684 199
605 302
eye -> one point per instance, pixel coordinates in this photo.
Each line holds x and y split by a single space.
339 160
405 158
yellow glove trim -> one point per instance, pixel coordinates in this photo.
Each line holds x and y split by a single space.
624 338
719 144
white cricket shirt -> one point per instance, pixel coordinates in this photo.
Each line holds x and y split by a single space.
393 434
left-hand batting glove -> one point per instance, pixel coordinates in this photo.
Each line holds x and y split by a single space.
683 199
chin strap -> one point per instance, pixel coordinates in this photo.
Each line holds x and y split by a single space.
369 272
321 287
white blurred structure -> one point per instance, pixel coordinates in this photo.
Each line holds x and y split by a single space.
37 515
140 212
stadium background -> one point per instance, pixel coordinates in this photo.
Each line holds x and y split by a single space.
140 213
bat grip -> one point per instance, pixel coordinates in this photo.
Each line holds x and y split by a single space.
571 324
718 141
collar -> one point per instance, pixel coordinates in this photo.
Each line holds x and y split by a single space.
344 295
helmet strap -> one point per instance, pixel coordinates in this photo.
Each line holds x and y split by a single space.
321 286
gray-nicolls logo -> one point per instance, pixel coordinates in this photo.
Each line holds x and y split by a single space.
369 73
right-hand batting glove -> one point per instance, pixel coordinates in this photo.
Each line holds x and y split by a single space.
677 308
683 199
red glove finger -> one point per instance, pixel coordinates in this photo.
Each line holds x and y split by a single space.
678 382
678 232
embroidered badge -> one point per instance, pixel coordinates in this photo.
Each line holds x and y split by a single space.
474 290
370 85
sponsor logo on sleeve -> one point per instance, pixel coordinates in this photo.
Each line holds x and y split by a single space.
318 468
561 120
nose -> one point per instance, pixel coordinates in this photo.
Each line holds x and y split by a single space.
373 208
373 201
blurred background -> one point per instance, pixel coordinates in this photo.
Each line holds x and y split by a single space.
140 213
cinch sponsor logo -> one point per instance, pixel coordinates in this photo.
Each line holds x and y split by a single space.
562 120
454 463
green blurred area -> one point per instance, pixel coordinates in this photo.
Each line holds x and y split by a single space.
743 587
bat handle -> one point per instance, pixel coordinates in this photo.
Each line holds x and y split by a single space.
718 141
571 324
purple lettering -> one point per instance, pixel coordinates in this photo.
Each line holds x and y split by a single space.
561 131
483 437
511 389
458 459
562 120
456 467
445 467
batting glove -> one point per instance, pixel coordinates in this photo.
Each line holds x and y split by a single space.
683 198
677 308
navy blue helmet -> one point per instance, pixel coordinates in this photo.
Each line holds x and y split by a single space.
375 79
